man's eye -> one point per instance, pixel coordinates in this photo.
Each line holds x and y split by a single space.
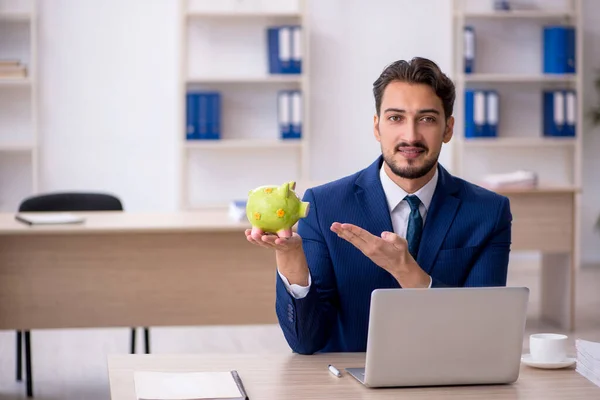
394 118
428 119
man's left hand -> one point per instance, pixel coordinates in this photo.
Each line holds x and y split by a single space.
389 251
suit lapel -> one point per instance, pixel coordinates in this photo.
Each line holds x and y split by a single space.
440 216
371 200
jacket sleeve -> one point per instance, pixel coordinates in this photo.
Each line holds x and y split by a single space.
307 322
491 266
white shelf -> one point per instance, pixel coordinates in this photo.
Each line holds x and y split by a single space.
242 14
519 78
520 142
15 82
243 143
517 14
292 78
15 16
15 147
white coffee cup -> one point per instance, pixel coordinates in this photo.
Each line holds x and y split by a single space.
548 347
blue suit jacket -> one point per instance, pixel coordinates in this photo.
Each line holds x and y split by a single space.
465 242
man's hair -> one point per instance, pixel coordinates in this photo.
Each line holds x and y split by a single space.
417 70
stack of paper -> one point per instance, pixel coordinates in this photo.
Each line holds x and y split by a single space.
588 360
517 179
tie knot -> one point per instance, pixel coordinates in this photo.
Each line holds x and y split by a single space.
413 202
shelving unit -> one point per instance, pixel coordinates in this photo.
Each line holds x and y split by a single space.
224 48
18 104
509 60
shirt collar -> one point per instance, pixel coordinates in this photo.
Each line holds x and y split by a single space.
394 194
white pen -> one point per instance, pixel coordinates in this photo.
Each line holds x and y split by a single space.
334 370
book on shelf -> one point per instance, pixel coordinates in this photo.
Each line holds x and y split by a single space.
203 115
289 111
284 47
559 113
154 385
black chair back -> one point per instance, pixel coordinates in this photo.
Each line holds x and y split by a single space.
71 201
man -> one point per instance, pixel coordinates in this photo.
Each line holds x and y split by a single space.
403 222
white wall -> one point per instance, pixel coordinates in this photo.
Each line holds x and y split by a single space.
590 207
108 96
109 104
351 42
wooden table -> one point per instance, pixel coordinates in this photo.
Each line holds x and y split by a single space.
126 269
546 220
196 268
292 376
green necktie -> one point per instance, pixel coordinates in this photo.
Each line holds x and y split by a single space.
415 225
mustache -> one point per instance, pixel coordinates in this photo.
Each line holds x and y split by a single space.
419 145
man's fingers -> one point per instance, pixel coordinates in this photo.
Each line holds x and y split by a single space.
396 240
345 232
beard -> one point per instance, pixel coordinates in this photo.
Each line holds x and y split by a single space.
411 171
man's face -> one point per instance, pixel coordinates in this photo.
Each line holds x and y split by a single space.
411 128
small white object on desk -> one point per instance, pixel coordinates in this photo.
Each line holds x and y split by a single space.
150 385
334 370
49 218
548 351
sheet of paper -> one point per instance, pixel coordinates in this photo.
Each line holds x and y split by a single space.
151 385
50 218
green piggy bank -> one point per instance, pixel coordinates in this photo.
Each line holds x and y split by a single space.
275 209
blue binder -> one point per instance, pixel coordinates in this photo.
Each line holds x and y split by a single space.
559 49
203 115
475 113
296 49
191 119
213 116
279 48
570 113
296 115
554 113
492 113
469 49
284 118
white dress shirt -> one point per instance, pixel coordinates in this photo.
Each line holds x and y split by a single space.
399 213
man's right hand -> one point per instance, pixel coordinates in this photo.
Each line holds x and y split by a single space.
290 258
283 241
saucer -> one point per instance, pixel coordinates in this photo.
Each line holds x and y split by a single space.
567 362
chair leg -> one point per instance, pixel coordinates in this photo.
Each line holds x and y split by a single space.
19 356
147 340
133 340
28 374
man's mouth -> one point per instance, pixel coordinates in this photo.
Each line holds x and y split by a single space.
410 152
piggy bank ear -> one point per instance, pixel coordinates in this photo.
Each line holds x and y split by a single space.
285 189
292 185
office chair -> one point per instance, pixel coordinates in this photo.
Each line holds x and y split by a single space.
65 202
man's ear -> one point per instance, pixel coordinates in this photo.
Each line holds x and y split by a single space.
449 131
376 128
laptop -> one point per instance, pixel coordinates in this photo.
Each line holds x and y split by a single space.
445 336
